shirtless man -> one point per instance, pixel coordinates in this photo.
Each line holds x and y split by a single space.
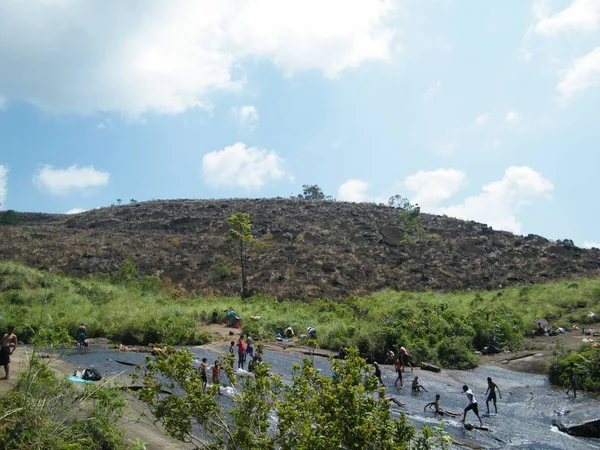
438 410
492 387
416 387
5 351
404 354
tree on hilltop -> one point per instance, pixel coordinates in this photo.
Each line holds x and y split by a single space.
410 216
313 192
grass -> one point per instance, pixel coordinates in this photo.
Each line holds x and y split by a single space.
442 328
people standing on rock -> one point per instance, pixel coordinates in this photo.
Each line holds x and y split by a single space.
398 366
378 372
492 397
437 408
216 374
416 387
472 406
241 345
572 379
203 377
405 355
5 351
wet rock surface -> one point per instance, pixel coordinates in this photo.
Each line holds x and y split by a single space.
582 421
314 249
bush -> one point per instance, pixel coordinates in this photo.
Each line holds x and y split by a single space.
586 367
455 353
45 412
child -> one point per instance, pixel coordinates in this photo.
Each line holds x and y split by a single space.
378 372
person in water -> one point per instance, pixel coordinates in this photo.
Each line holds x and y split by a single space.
437 408
492 387
399 372
5 342
572 379
241 352
416 387
472 406
203 377
216 374
404 356
378 372
82 341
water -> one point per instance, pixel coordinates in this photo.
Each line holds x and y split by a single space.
525 412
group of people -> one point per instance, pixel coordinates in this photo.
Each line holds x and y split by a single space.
245 349
216 374
403 360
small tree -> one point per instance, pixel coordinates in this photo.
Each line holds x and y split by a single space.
410 216
314 192
240 237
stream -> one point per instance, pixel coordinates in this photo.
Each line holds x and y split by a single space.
525 412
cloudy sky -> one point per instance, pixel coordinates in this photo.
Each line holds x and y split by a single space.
486 110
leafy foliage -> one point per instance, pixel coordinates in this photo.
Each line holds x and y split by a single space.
313 192
9 217
240 236
42 411
317 412
586 366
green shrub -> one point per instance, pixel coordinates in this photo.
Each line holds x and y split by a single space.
455 353
586 367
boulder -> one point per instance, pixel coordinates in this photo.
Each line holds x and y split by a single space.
431 368
584 422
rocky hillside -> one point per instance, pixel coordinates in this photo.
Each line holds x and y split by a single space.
314 249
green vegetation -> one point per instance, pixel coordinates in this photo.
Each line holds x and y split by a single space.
8 217
438 328
313 192
43 411
586 368
242 241
318 412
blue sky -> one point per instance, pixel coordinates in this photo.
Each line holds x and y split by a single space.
480 110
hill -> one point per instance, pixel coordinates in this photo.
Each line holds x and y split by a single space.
314 248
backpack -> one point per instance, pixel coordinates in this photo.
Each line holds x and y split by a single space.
91 374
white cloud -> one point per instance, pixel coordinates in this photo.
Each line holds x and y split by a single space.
588 244
3 183
241 166
584 73
513 116
64 181
581 15
482 119
172 56
432 187
245 116
353 191
3 103
76 211
499 201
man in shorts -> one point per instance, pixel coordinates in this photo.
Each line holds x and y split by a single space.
438 409
492 397
7 339
399 372
404 356
472 406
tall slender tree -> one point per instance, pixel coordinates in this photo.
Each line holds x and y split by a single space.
241 238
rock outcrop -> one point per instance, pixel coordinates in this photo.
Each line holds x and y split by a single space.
314 248
584 422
